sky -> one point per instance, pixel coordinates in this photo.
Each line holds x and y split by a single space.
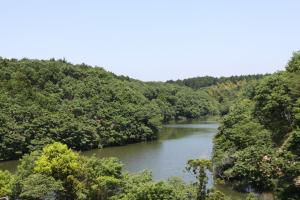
155 40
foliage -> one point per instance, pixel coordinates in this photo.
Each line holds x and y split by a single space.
6 183
108 177
198 168
64 165
273 105
58 172
216 195
140 186
182 190
257 145
43 101
225 90
104 187
151 191
206 81
38 186
188 104
294 63
292 143
251 196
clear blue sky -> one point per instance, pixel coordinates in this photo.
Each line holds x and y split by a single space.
155 39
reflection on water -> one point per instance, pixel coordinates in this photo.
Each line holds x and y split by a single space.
9 165
166 156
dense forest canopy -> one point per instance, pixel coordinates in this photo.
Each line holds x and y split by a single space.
85 107
258 143
225 90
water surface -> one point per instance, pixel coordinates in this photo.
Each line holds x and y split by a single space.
167 156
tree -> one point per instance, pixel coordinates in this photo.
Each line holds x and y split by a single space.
103 177
199 168
6 183
182 190
38 186
273 105
63 165
85 107
216 195
294 63
104 187
151 191
258 141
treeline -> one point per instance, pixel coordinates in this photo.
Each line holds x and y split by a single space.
57 172
206 81
258 143
225 90
43 101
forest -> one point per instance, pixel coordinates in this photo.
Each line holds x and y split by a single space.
206 81
43 101
258 143
50 109
85 107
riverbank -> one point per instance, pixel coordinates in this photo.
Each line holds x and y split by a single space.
166 157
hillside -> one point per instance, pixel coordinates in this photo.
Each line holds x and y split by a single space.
85 107
225 90
258 141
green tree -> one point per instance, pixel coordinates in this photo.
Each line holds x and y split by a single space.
257 143
151 191
103 177
199 168
104 187
182 190
294 63
216 195
38 186
6 183
273 105
63 165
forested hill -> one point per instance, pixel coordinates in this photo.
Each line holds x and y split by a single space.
225 90
206 81
258 143
43 101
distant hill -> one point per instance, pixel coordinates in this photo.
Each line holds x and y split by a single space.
206 81
225 90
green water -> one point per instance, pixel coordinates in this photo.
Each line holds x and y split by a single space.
166 156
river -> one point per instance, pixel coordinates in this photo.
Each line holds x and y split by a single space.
167 156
